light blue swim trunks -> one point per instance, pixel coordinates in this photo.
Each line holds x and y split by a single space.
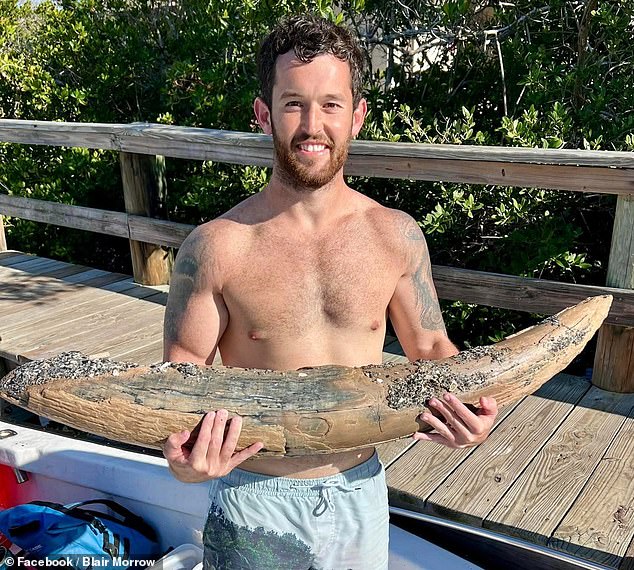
276 523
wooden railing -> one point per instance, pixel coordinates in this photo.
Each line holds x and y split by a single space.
142 146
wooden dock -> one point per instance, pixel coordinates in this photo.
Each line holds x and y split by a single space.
48 307
558 469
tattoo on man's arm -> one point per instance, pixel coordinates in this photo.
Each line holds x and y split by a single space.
422 281
182 286
426 300
411 230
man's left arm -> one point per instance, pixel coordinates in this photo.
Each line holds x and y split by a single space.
415 314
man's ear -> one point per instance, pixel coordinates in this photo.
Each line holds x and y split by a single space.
263 115
358 116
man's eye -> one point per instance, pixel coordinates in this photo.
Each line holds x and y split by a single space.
293 104
332 105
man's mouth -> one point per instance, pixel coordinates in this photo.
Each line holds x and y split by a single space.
312 147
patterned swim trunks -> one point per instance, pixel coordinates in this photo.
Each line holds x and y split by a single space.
338 522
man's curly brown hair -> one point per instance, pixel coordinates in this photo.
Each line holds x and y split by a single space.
309 36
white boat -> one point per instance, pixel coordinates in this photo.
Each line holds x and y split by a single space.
51 467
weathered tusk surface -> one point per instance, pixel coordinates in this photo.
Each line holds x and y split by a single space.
311 410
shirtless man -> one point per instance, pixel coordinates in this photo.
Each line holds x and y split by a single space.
304 273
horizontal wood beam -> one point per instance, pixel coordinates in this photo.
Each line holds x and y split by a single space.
568 178
119 224
162 232
560 169
526 294
66 215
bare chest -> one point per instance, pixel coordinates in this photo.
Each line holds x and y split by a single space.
282 285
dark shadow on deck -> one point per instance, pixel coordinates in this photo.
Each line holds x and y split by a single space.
43 280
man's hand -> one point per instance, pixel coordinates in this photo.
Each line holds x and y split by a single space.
213 453
461 427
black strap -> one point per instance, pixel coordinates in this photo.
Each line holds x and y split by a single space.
128 517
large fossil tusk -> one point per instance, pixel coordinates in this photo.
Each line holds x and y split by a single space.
312 410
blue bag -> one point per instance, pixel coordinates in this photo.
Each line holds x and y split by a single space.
80 537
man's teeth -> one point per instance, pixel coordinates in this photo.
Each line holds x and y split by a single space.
313 147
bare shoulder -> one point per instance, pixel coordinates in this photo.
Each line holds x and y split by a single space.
227 230
210 249
403 227
397 227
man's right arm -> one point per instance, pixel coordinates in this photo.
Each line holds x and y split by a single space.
195 316
195 319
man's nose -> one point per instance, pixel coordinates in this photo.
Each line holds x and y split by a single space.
311 119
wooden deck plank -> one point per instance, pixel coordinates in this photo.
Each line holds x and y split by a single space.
96 333
26 287
16 258
67 309
85 280
38 289
418 472
159 298
19 291
540 498
475 487
148 334
133 336
52 313
49 273
394 347
62 315
74 299
83 286
86 276
33 268
26 262
66 270
56 269
8 254
600 524
392 450
391 353
146 355
131 289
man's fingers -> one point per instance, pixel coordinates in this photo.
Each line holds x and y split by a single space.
231 438
424 436
199 449
462 413
245 454
441 427
218 430
212 452
488 407
172 448
454 421
216 437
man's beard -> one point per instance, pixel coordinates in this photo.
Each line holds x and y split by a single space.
304 177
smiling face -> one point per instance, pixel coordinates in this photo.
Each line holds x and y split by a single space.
312 119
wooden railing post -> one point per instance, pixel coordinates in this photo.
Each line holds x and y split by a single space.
3 237
144 191
614 358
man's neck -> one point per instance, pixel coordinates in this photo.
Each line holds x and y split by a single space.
309 208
